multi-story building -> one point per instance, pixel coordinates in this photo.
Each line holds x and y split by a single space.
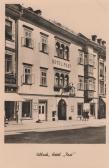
51 72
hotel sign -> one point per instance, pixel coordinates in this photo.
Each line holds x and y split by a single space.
61 64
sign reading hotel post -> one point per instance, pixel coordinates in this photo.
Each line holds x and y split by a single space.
61 64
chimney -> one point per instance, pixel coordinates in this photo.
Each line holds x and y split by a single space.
38 12
94 38
99 41
29 8
103 43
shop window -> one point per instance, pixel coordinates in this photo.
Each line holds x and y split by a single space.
27 109
80 109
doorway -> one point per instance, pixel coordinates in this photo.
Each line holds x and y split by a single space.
42 110
62 108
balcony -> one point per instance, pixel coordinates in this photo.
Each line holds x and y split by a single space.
58 87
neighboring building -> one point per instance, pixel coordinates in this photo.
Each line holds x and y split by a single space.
51 73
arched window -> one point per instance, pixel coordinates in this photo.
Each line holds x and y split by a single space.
62 80
66 53
66 80
62 48
57 49
57 79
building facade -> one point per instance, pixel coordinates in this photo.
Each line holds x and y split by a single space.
51 72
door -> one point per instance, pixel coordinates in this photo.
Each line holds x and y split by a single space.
62 110
42 111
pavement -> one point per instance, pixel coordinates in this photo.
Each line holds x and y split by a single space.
45 126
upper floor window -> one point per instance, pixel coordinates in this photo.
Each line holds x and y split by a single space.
43 77
80 82
90 84
8 30
61 80
101 69
102 87
27 40
62 50
44 44
27 77
8 64
90 70
81 57
89 59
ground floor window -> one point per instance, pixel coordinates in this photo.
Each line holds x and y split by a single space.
92 109
27 109
79 109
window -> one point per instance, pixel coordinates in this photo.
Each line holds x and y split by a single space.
101 69
8 30
81 57
27 109
89 59
27 74
44 44
8 64
66 53
28 42
102 87
80 109
62 50
61 80
90 70
57 79
43 78
81 82
90 84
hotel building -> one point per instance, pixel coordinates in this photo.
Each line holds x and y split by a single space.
51 72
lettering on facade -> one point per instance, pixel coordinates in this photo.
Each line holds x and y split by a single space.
61 64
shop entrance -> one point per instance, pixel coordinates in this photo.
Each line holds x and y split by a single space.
62 110
42 111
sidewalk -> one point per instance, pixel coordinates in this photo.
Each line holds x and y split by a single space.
25 126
